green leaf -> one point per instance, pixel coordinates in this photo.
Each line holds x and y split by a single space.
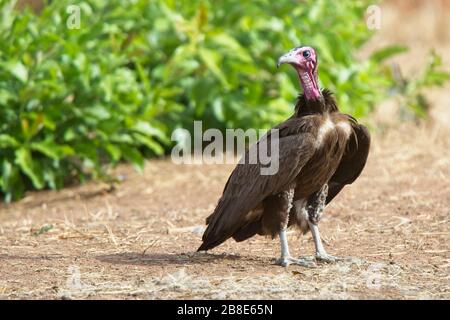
29 167
134 156
387 52
114 152
50 177
7 141
98 111
149 130
232 46
51 149
46 147
18 70
218 110
150 143
86 150
11 182
212 61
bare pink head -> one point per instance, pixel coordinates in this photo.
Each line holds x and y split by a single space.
304 60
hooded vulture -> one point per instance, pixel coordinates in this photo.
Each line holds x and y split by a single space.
320 151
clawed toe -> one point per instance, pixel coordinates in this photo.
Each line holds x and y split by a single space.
328 258
308 262
311 261
304 262
308 259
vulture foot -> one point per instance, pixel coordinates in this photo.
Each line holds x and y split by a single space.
304 262
327 258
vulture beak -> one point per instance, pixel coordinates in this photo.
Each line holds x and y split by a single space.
289 58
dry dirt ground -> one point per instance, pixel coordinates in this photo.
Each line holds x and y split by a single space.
138 240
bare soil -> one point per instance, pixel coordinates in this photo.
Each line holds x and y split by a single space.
138 239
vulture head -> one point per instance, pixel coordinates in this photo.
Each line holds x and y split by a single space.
304 61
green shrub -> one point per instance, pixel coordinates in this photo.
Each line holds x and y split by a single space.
74 100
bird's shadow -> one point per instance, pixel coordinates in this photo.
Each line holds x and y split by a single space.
161 259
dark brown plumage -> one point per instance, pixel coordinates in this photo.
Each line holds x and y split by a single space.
320 151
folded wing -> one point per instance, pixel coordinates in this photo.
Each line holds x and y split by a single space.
247 187
352 162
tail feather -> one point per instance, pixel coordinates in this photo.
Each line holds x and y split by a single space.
228 220
214 235
247 231
221 226
205 246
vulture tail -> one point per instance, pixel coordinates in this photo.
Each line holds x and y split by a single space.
247 231
209 245
215 233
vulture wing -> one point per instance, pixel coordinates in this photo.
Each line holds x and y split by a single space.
247 187
352 162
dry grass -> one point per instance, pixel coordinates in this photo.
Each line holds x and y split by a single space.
139 241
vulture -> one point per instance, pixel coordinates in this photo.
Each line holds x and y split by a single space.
320 151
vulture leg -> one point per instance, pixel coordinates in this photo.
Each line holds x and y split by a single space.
315 208
286 258
286 201
321 254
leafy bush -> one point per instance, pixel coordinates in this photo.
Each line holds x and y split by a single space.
411 92
73 100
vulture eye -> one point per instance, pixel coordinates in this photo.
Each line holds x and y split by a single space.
306 54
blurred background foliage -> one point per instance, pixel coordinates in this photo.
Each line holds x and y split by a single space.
75 101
